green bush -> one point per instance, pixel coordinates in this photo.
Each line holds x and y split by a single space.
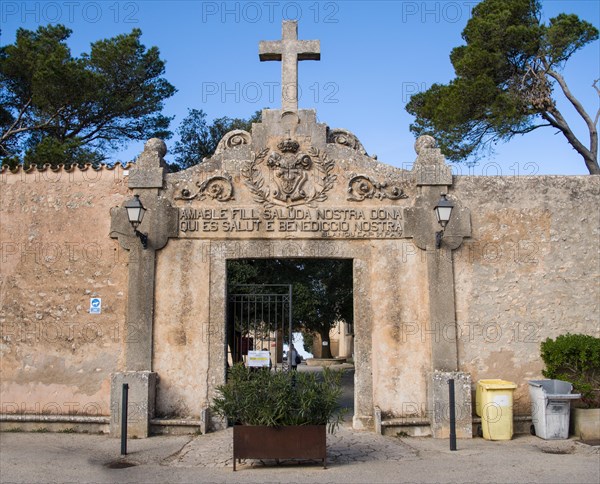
575 358
277 399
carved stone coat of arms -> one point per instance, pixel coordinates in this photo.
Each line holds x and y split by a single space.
289 176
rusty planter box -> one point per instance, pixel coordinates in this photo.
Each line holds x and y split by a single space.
292 442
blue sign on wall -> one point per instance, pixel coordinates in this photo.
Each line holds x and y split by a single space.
95 305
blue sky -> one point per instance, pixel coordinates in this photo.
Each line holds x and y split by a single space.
373 56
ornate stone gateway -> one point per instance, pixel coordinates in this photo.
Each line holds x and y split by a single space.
293 187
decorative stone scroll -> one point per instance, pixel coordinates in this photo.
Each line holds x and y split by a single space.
218 188
361 187
345 138
292 176
233 139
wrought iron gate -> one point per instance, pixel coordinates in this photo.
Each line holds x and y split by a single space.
259 317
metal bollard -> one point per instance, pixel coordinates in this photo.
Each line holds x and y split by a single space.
452 414
124 403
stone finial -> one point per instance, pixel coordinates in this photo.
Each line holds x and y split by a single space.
156 145
149 168
425 142
154 152
430 167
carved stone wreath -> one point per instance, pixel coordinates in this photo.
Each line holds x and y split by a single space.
217 188
290 172
361 187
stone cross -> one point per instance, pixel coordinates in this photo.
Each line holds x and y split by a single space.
289 50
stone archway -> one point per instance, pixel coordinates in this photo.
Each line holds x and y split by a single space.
338 202
292 187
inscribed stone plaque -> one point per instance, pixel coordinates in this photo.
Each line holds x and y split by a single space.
383 222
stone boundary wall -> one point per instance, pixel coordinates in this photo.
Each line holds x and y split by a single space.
55 255
530 271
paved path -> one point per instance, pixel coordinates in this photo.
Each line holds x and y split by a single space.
353 457
345 446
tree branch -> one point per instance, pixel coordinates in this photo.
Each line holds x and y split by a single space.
574 101
12 131
559 122
554 117
580 109
595 86
530 128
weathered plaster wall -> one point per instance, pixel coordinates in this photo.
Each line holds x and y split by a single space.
55 254
181 329
530 271
401 363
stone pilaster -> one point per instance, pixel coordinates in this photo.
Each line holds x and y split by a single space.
433 178
363 379
159 223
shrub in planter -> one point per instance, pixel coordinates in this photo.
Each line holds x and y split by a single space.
281 415
575 358
279 399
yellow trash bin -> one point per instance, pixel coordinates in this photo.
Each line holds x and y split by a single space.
494 404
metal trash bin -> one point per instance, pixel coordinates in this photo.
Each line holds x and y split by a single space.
551 408
494 404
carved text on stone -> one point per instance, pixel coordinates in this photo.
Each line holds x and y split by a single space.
292 222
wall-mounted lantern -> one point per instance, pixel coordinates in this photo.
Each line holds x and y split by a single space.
135 214
443 211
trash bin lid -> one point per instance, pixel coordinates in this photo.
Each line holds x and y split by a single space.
554 387
553 396
497 384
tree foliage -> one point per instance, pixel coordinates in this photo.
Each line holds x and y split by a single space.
76 108
506 75
322 289
198 139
